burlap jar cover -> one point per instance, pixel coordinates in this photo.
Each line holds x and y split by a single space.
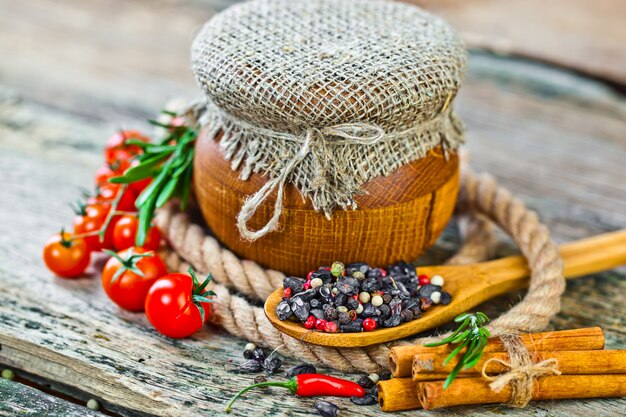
326 94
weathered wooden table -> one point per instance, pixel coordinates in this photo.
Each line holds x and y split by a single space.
72 72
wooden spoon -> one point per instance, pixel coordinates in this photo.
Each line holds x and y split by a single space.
469 285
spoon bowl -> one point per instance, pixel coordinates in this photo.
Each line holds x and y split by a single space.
469 285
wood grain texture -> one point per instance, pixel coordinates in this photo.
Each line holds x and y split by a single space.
20 400
585 36
553 138
398 216
470 285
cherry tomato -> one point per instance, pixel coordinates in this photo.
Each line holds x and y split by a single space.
174 304
108 193
91 221
123 284
107 171
125 233
116 148
66 256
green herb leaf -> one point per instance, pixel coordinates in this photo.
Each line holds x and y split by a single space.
167 192
470 336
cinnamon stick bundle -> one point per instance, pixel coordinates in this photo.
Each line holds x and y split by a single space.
401 357
569 362
465 391
398 394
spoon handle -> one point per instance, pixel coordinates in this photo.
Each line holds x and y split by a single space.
582 257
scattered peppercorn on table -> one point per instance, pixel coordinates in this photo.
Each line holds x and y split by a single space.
553 137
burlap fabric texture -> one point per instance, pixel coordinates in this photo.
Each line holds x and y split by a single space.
326 94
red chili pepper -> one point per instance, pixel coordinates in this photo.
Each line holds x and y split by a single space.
310 385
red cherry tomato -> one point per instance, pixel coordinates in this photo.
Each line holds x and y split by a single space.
65 256
116 148
108 193
103 174
173 305
91 222
107 171
125 232
126 288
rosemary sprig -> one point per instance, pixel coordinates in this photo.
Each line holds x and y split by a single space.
471 335
169 163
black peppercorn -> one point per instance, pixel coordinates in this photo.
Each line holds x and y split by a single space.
326 409
250 367
348 285
258 354
283 310
271 364
303 368
392 321
318 313
299 308
331 314
446 298
352 304
428 289
296 284
407 315
344 318
366 382
367 399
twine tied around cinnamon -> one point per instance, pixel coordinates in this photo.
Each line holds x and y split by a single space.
522 371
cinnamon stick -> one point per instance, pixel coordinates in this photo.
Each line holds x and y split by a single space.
466 391
569 363
397 394
401 357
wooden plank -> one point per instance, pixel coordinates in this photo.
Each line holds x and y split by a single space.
79 70
68 330
18 399
579 34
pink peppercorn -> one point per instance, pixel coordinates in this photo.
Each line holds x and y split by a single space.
320 324
330 327
287 292
310 322
423 280
369 324
307 285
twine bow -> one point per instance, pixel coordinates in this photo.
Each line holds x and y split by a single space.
522 371
315 142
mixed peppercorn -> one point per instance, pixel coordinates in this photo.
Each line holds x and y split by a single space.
356 297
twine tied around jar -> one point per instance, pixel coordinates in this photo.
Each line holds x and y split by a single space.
314 143
522 371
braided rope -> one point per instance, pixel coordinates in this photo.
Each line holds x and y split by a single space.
480 199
